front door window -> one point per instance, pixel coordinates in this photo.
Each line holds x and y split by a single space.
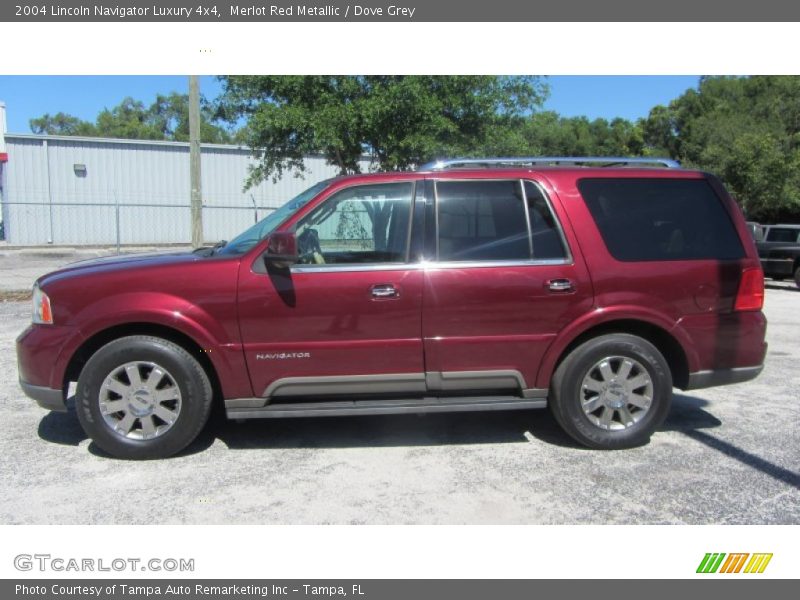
367 224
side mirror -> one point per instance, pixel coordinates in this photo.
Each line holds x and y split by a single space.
281 250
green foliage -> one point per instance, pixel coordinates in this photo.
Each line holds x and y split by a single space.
399 121
166 119
745 130
61 124
548 134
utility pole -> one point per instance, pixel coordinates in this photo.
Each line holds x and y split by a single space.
194 162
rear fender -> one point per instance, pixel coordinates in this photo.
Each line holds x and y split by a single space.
604 316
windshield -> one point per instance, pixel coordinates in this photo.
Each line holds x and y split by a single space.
250 237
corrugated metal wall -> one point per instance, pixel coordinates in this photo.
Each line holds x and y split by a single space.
48 200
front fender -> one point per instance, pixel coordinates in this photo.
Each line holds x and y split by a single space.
169 311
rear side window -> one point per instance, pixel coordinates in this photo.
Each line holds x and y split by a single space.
489 221
661 219
547 241
481 220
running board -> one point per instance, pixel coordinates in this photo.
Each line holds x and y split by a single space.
341 408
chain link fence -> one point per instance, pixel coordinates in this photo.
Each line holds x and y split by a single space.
121 223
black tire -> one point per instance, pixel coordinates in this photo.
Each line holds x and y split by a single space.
182 371
568 397
797 276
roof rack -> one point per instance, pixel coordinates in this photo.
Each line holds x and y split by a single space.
606 161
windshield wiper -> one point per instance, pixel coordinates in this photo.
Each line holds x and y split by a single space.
210 250
218 246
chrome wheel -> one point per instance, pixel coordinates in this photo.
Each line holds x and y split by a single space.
616 393
140 400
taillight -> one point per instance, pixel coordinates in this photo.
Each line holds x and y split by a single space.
751 290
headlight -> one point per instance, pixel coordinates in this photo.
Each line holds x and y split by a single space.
42 313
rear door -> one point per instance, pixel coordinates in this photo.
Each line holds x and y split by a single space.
502 283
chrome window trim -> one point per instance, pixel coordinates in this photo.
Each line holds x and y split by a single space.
354 268
425 265
454 264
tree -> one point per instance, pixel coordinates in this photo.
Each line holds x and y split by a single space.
170 114
744 129
61 124
548 134
166 119
399 121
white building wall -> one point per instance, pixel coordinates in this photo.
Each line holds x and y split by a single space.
49 201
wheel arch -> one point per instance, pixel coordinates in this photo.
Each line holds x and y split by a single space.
668 344
100 338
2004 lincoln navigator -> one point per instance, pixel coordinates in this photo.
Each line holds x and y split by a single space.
588 286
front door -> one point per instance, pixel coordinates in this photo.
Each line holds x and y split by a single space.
347 318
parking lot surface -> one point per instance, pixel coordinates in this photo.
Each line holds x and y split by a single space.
725 455
19 267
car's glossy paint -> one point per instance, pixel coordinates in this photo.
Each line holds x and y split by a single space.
328 323
446 317
193 295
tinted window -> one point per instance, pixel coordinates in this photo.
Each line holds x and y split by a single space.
661 219
362 224
783 234
547 243
481 220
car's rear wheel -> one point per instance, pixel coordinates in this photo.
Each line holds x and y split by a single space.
797 276
612 391
143 397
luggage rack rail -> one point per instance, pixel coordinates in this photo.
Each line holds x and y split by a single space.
606 161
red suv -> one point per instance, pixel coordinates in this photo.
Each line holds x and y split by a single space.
590 286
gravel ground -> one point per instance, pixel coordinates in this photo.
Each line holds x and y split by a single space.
725 455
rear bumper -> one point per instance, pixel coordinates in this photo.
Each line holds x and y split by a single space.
777 266
45 397
706 379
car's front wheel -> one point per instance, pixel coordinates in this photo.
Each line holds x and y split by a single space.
142 397
612 391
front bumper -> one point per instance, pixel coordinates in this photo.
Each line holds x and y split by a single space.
706 379
45 397
43 352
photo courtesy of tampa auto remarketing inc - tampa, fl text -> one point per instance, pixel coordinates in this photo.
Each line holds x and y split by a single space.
382 301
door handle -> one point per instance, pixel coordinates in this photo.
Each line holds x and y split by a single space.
384 290
560 285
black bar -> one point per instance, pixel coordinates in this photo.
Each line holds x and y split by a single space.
402 11
744 587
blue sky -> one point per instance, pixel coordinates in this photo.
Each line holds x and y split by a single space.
27 97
